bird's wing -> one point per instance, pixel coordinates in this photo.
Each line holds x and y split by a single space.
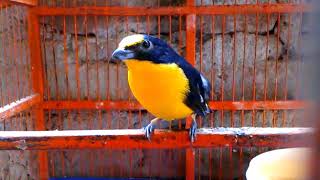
206 88
199 93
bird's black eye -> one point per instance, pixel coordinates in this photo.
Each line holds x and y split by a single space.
146 44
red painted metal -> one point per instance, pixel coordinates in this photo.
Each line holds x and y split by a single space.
108 105
191 37
215 105
7 3
25 2
222 67
213 73
190 163
43 165
19 106
223 27
37 85
11 94
162 139
76 58
2 76
20 53
191 58
36 63
190 45
258 105
4 4
144 11
15 76
253 120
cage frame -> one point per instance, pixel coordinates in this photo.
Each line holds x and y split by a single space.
135 138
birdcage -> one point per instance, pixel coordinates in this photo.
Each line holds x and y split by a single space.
67 112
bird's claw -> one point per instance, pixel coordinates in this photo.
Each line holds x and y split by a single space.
192 131
148 131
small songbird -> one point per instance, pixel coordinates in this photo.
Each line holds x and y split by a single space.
163 82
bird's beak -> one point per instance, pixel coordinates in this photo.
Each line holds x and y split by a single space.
121 54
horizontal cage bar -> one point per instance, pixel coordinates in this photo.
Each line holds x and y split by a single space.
215 105
162 139
143 11
25 2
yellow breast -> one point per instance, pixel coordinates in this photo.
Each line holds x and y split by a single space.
160 88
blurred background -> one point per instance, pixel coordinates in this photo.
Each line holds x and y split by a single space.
261 58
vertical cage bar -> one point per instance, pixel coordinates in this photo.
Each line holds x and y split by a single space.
6 60
190 159
2 68
179 50
191 38
15 57
37 86
299 60
222 67
190 45
190 56
10 60
20 54
253 120
213 70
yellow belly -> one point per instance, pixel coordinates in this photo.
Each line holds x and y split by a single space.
160 88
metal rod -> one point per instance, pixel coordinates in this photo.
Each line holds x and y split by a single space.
215 105
37 85
144 11
222 68
19 106
190 164
162 139
25 2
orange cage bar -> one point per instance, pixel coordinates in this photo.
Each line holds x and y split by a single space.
77 88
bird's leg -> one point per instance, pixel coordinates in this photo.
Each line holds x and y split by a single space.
193 128
150 128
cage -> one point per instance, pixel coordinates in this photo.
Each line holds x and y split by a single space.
67 112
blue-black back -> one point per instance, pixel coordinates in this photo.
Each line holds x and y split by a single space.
200 87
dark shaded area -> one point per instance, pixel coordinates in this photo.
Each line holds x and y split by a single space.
312 84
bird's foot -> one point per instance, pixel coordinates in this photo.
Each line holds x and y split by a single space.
149 129
192 131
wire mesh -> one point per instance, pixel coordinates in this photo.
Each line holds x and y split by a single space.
255 57
248 58
15 84
139 163
15 66
101 3
76 50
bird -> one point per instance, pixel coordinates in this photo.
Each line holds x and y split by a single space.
162 81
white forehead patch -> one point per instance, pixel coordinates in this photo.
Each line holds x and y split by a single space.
131 40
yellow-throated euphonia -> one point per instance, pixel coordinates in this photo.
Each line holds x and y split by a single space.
162 81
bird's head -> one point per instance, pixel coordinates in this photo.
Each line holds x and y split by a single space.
140 47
